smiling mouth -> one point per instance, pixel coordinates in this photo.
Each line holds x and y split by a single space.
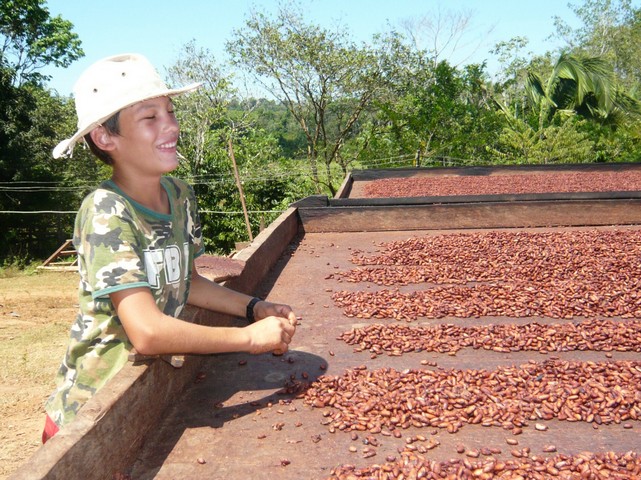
167 146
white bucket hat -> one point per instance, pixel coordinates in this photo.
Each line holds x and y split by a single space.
108 86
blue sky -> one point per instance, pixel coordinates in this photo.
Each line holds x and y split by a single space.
158 29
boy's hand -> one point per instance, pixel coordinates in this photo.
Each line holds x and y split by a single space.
264 309
271 334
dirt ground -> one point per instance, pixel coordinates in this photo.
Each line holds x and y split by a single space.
36 310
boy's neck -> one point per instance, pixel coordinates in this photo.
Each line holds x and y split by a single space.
147 192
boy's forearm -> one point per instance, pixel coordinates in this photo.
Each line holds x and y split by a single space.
151 332
177 336
207 294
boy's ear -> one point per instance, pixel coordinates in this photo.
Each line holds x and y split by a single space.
102 138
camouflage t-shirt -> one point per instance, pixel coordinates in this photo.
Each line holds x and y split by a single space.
121 244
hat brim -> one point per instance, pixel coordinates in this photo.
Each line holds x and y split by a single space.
65 147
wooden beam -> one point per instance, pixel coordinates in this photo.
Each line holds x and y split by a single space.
472 215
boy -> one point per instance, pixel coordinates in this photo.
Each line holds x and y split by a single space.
137 236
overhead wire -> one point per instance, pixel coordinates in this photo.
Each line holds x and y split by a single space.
27 186
49 186
220 212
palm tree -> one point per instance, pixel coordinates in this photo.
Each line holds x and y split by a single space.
585 86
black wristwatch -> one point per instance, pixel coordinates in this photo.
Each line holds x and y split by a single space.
250 308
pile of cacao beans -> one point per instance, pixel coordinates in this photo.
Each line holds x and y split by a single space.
557 291
560 182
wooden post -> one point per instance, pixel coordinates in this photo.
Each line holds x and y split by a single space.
240 189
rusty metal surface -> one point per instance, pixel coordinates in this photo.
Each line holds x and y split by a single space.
233 423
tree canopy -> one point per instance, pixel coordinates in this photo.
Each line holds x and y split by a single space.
323 78
329 105
32 39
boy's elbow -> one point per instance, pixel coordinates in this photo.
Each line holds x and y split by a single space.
140 317
145 341
144 347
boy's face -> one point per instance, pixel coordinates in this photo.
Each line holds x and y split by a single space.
148 136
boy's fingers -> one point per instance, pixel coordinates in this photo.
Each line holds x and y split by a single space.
279 351
290 329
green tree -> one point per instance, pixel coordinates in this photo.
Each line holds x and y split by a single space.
274 118
509 86
208 124
30 179
32 39
562 142
583 85
556 125
31 122
324 79
430 110
610 30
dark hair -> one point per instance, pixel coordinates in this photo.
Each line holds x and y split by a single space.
112 125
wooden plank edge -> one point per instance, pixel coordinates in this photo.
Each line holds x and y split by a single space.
346 187
553 213
110 429
450 199
264 251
